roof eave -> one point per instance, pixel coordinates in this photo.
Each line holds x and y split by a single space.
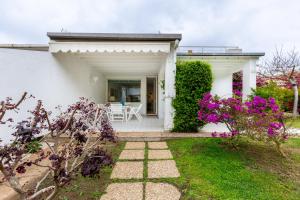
112 37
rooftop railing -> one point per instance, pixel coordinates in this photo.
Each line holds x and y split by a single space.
208 49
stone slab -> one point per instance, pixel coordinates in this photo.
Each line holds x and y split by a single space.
135 145
128 170
157 145
132 155
159 154
161 191
162 169
124 191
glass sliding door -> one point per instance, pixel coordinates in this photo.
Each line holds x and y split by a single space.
151 96
123 91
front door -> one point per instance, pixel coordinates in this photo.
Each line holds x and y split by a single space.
151 96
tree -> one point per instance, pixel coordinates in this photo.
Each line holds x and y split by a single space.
283 67
79 122
259 119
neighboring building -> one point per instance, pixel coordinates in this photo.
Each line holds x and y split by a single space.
103 66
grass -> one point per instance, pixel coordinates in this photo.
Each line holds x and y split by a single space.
86 188
293 122
211 170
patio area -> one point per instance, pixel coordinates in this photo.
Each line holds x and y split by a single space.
147 124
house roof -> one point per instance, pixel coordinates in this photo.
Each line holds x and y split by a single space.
113 36
33 47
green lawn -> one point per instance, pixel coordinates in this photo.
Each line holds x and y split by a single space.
293 122
211 170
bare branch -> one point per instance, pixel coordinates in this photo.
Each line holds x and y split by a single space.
41 181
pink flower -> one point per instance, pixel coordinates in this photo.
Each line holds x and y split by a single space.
212 106
237 93
214 134
276 125
212 118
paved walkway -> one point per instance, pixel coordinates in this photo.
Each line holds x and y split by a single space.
138 173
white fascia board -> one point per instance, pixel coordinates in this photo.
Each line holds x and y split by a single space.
109 47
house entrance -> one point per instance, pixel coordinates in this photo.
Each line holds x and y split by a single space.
151 96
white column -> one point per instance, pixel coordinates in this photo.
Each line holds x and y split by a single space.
170 72
161 92
249 77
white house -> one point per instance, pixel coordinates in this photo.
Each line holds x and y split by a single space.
101 65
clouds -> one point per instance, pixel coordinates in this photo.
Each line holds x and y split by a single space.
253 25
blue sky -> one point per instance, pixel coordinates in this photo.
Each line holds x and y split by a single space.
256 25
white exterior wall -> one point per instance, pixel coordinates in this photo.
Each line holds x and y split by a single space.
56 80
222 83
249 77
47 77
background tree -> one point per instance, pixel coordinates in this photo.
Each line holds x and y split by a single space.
283 67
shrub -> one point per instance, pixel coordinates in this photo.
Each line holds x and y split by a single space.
193 79
259 119
284 97
80 121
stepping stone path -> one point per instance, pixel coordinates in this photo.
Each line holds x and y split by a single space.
130 173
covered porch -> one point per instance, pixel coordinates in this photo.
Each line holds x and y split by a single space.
129 69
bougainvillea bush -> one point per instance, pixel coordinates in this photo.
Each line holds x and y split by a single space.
259 119
80 153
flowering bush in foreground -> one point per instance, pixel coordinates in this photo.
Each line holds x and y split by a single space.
80 152
259 119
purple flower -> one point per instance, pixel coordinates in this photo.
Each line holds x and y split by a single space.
285 136
214 134
225 116
212 106
238 108
272 100
234 132
237 93
212 118
274 108
276 125
224 135
200 115
271 131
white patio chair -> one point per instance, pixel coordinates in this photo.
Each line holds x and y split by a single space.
117 112
136 112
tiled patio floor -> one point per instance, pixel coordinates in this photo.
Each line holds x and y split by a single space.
147 124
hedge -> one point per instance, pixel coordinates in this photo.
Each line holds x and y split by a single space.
193 79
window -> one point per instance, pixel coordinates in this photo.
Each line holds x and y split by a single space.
124 91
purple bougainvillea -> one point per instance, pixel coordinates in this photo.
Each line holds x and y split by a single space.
258 118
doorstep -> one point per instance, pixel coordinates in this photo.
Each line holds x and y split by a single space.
157 136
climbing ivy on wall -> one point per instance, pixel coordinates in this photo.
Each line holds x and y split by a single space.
193 79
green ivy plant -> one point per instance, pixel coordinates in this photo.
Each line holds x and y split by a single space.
193 79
